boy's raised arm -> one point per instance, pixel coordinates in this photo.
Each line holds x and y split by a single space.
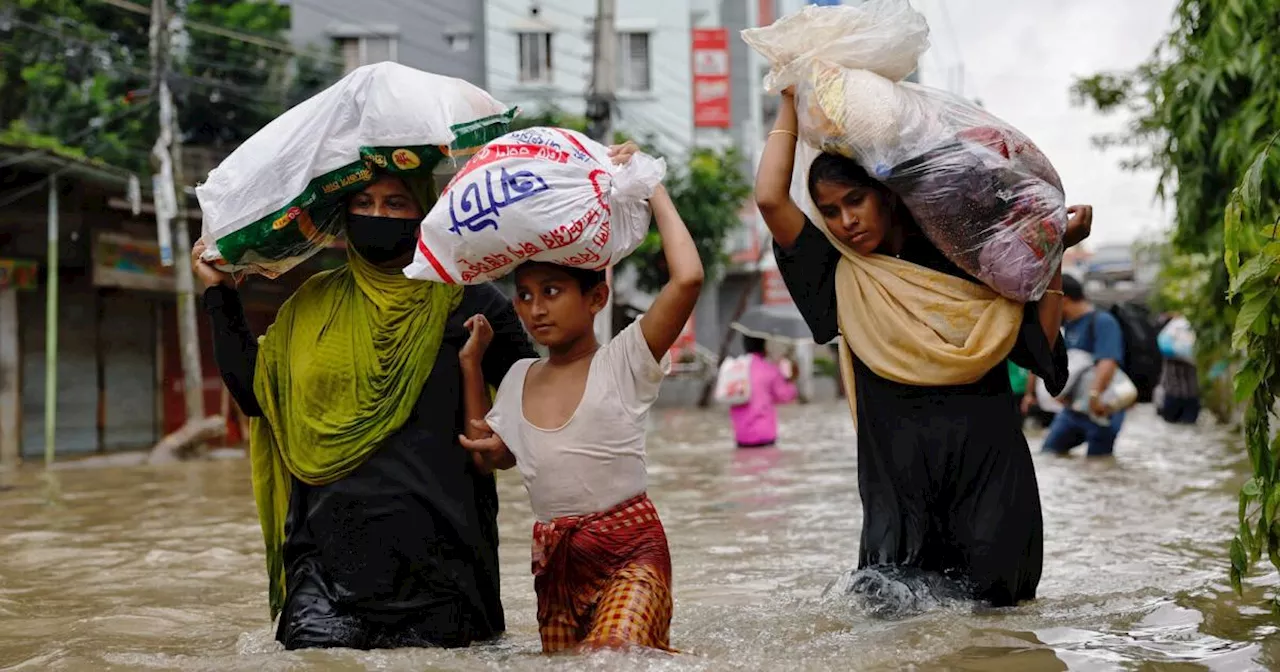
664 321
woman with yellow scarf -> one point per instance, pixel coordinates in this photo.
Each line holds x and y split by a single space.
380 530
944 472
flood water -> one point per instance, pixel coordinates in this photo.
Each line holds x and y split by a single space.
160 568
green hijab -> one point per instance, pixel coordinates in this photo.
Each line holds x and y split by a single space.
337 373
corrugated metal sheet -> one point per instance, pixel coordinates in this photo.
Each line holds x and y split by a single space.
77 388
129 334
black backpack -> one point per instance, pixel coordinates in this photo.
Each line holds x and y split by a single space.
1142 359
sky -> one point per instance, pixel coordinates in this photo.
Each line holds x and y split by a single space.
1020 59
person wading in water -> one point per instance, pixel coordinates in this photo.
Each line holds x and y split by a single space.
945 476
380 529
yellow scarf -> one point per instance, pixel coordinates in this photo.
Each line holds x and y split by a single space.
338 372
917 326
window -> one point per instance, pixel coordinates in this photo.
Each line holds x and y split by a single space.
358 51
633 62
535 57
459 41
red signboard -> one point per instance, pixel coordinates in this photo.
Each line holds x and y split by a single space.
711 78
765 12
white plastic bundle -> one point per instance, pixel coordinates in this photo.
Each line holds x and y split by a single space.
539 194
278 198
979 189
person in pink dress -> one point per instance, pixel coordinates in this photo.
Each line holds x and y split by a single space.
755 423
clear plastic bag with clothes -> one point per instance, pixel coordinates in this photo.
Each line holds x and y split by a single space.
979 188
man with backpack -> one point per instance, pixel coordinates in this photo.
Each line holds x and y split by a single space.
1099 333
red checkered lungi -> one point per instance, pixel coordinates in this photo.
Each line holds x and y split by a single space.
603 579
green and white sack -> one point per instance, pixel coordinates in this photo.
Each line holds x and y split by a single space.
278 198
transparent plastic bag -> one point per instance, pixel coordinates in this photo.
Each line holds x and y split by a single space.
278 198
538 194
886 37
979 189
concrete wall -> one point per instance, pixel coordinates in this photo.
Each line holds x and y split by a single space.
421 29
665 112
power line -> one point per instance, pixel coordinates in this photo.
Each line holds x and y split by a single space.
249 96
69 39
225 86
400 38
220 31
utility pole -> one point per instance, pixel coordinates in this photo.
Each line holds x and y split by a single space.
604 69
170 205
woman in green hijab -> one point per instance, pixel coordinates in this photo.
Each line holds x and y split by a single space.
380 531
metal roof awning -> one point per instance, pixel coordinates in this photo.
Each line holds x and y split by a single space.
90 171
48 161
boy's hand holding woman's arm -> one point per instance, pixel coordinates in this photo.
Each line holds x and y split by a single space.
486 448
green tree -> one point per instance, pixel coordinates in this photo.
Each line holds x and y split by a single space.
1207 111
65 70
232 88
1202 104
709 190
76 73
1252 259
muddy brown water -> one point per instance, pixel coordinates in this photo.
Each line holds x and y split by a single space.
160 568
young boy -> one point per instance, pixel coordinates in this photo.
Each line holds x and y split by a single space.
574 423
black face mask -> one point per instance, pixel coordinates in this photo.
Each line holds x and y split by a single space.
381 239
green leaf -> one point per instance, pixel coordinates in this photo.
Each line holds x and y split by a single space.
1243 509
1238 559
1251 488
1239 564
1272 493
1251 186
1254 309
1246 381
1230 227
1256 268
1275 489
1259 541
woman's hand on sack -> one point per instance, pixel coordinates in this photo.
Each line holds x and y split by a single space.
208 274
789 92
621 154
481 336
1079 225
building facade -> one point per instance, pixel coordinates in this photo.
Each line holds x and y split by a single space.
441 36
539 56
117 372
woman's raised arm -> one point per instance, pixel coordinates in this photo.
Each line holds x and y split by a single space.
773 178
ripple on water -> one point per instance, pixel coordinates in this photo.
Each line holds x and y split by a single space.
143 568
